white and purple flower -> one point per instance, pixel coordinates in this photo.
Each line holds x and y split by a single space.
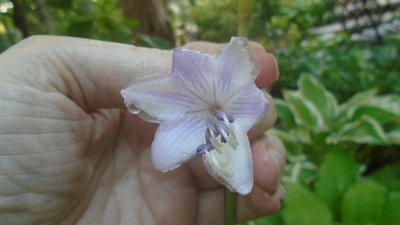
205 107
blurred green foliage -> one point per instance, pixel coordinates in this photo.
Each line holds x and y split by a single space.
100 19
330 178
283 26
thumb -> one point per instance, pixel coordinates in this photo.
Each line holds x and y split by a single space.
92 72
89 72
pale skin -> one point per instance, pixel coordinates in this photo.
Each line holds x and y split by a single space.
70 152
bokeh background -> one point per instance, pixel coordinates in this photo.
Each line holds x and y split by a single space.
337 98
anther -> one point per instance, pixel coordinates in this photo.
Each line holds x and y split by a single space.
204 147
222 129
207 136
211 126
221 115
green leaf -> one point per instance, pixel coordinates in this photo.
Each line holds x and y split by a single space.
389 102
305 113
364 131
393 137
391 213
302 207
363 202
315 92
382 108
380 114
284 114
337 172
347 109
388 176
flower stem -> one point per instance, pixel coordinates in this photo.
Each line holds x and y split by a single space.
244 11
230 211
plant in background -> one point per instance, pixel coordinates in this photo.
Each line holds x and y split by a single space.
312 117
329 147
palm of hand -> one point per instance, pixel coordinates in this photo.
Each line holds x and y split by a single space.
93 168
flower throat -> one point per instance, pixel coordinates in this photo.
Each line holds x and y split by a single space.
220 140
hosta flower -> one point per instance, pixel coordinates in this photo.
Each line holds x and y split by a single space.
205 108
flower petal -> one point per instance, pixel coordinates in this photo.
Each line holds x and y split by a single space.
196 71
248 106
236 66
242 179
158 98
175 143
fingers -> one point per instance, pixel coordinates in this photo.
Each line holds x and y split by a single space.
89 72
267 66
92 73
266 123
258 204
269 159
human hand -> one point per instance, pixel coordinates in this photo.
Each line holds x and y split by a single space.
70 153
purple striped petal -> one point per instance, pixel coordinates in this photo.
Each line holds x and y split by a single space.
159 98
248 105
197 72
236 67
175 143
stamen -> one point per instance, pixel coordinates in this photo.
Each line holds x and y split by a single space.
221 127
211 126
220 137
207 136
232 141
204 147
221 115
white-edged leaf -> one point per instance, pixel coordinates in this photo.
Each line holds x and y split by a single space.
394 137
284 113
378 113
315 92
347 109
366 130
305 113
383 108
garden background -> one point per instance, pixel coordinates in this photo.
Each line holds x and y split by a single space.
337 97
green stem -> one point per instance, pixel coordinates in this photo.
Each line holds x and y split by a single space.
244 11
230 211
